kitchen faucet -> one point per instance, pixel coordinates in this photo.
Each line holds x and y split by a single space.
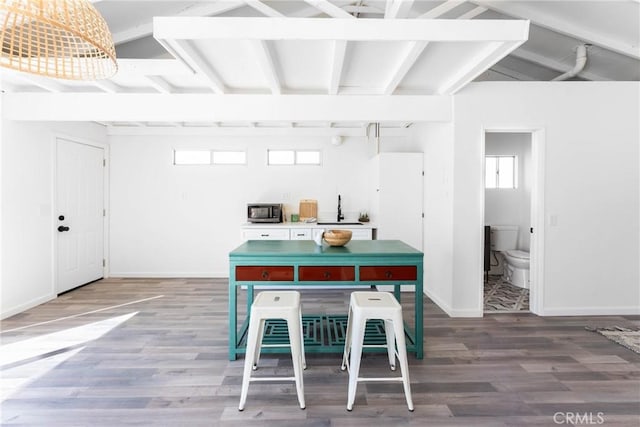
340 215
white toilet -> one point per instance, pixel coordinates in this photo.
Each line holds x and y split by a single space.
504 239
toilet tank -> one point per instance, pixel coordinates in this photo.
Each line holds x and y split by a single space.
504 237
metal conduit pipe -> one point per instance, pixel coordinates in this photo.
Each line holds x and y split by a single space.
581 61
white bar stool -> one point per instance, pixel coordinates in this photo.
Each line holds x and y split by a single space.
365 306
275 305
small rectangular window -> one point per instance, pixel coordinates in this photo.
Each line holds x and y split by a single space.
307 157
294 157
281 157
229 157
191 157
501 172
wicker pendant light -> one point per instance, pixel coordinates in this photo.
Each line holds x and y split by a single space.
65 39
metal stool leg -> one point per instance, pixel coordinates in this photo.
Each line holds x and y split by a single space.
402 356
354 361
252 342
347 341
304 359
391 343
297 357
256 356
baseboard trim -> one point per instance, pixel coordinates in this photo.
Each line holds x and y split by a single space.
452 312
591 311
26 306
169 275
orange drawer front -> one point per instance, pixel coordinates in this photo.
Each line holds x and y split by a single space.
267 273
320 273
405 272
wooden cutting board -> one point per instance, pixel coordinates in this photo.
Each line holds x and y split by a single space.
308 209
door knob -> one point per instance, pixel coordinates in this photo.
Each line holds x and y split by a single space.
62 228
61 217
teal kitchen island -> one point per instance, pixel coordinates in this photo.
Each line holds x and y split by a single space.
299 263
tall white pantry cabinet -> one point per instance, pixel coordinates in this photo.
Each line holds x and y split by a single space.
398 197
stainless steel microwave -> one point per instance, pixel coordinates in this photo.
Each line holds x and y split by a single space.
264 212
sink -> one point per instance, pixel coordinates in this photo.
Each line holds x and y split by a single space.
339 223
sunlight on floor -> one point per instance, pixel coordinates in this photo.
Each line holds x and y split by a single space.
26 360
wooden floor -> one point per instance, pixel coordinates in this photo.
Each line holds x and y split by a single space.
154 352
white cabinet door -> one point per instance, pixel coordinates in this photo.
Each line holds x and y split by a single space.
357 234
265 234
400 197
361 234
300 234
79 217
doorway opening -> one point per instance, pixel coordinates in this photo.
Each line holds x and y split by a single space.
512 209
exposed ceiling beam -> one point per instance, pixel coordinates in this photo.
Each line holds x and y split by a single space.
43 83
265 62
497 68
148 107
363 9
261 131
329 8
150 67
474 12
170 28
337 63
567 28
486 57
412 53
108 86
183 51
145 29
263 8
398 9
160 84
441 9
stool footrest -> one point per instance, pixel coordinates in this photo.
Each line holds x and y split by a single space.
274 345
392 379
272 379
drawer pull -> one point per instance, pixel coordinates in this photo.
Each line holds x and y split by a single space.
388 274
327 274
264 235
265 274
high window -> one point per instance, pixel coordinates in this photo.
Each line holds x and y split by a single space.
209 157
294 157
501 172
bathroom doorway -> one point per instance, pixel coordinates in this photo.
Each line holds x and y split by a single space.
511 199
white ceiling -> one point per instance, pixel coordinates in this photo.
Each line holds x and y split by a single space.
365 48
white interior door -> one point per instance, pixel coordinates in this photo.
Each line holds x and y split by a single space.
80 214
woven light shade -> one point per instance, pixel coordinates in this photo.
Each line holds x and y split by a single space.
65 39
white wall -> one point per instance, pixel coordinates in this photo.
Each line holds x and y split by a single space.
184 220
506 206
28 233
435 140
591 189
